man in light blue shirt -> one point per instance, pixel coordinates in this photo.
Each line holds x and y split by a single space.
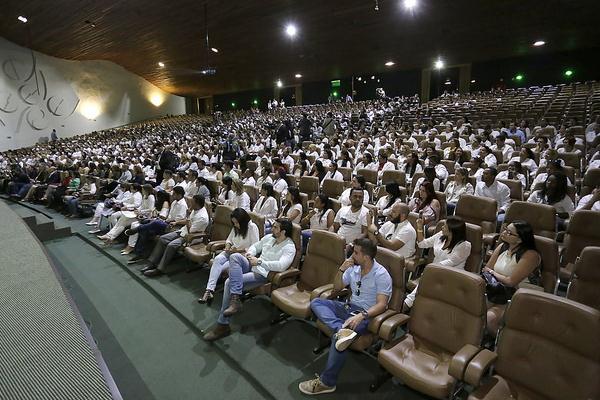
514 131
371 287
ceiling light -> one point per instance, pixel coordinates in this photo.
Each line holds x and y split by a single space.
214 49
568 73
279 83
472 80
378 80
22 19
372 77
291 30
298 76
161 64
389 63
447 83
539 43
410 4
519 77
439 64
359 79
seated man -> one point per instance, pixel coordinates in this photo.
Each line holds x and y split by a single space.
351 221
490 187
371 287
274 252
396 233
170 242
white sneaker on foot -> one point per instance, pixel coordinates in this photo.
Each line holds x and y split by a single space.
91 223
93 231
315 386
344 339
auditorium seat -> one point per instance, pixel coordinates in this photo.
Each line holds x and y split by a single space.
479 211
548 348
582 232
591 180
324 255
584 286
219 230
369 175
332 188
393 176
310 186
548 249
446 321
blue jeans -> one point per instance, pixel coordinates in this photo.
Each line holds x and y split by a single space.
240 278
334 313
306 235
146 232
72 205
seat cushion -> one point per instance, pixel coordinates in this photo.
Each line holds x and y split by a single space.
293 301
197 253
498 388
421 370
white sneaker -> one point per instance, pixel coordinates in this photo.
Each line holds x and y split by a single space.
93 231
344 339
91 223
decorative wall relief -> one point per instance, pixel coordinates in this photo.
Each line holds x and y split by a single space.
27 101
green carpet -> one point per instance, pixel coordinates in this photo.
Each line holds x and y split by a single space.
148 331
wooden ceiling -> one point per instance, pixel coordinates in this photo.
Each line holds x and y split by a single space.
336 38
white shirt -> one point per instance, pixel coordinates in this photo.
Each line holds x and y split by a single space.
506 151
198 220
240 242
504 175
404 232
273 256
529 164
585 200
249 181
266 207
345 197
318 222
351 223
297 207
134 201
239 201
490 160
455 258
336 176
177 211
454 191
497 191
563 206
280 185
383 202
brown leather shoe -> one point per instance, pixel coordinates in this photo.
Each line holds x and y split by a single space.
235 306
220 331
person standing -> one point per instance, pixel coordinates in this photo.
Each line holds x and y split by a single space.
53 135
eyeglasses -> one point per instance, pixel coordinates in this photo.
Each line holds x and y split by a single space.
358 284
509 233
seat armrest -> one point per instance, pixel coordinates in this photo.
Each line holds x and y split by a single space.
490 239
459 362
375 323
216 245
198 237
285 278
388 328
334 294
478 366
318 292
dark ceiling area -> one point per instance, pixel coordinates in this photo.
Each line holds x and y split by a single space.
336 38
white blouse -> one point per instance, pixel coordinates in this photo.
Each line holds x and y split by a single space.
289 212
319 222
240 242
280 185
336 176
239 201
455 258
454 191
563 206
382 202
266 207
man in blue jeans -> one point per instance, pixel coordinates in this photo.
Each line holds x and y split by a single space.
274 252
371 287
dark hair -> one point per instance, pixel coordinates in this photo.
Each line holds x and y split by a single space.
361 181
561 191
179 190
393 189
529 153
493 171
456 225
227 181
136 186
430 174
367 246
430 195
267 187
198 199
326 204
243 218
525 233
353 189
193 172
411 164
161 197
286 226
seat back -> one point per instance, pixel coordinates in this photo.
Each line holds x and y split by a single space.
549 346
475 237
477 210
548 249
591 179
571 160
346 173
259 220
324 255
252 165
369 175
516 188
297 238
332 188
221 225
443 210
213 188
252 193
309 185
335 205
541 217
584 286
583 231
449 310
394 263
391 175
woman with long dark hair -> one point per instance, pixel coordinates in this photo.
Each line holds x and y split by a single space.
412 166
293 205
281 183
514 261
266 205
426 204
226 195
319 171
386 203
554 192
243 235
459 186
450 246
319 218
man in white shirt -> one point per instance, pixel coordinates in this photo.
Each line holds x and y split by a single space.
170 242
273 252
590 201
397 233
351 222
503 147
490 187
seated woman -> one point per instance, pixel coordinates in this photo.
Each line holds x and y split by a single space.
386 203
87 191
426 204
512 262
240 198
477 167
226 194
411 166
249 178
358 182
243 235
514 171
527 160
266 205
459 186
264 177
302 167
555 193
319 218
162 205
430 176
168 183
293 206
450 247
281 183
333 173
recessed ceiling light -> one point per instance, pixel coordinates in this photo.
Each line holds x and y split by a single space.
214 49
298 75
473 80
22 19
539 43
291 30
410 4
447 83
279 83
439 64
389 63
161 64
359 79
372 77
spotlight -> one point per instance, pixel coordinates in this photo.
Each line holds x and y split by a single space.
439 64
233 104
389 63
376 5
539 43
279 83
22 19
447 83
161 64
410 4
214 49
298 76
291 30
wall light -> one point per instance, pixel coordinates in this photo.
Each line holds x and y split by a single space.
439 64
298 76
22 19
90 109
410 4
157 99
389 63
539 43
291 30
279 83
473 80
161 64
214 49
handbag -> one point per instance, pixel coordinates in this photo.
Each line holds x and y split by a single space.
496 291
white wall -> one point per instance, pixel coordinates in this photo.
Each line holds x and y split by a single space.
39 93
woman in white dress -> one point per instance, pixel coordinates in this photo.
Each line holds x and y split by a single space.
459 186
266 205
319 218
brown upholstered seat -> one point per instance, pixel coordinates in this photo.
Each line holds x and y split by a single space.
584 286
516 188
369 175
324 256
447 317
392 175
541 217
259 220
332 188
346 173
591 179
253 193
479 211
310 186
583 231
547 349
220 228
